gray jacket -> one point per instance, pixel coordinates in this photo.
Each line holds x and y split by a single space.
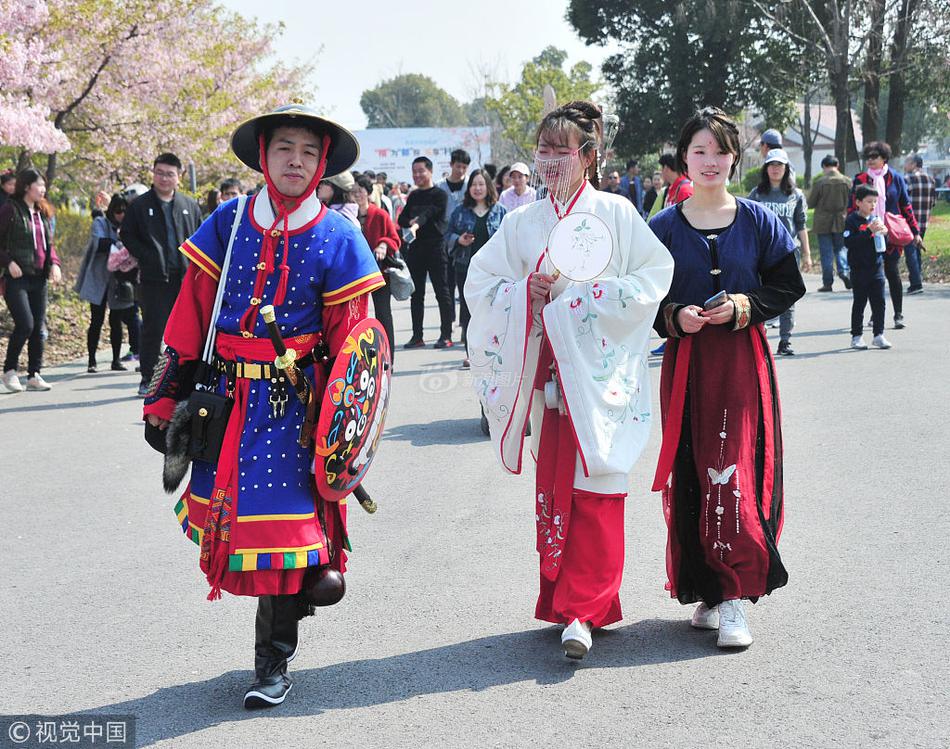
95 280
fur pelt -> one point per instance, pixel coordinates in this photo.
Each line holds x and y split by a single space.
177 461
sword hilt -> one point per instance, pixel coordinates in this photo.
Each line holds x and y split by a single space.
286 357
270 319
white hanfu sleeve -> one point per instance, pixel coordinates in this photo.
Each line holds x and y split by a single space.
503 340
599 333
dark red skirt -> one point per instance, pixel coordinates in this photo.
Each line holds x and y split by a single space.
720 466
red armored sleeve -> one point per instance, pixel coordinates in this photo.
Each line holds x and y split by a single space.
184 336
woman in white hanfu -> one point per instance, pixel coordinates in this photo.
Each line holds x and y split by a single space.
572 357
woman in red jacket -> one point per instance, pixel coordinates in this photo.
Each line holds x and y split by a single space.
383 238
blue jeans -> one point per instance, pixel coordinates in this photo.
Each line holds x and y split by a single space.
912 258
833 253
786 321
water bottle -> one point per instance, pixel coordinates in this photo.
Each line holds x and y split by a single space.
879 244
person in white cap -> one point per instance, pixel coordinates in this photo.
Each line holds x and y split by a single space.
519 193
334 193
776 189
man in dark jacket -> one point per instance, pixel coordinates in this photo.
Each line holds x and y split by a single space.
154 227
424 217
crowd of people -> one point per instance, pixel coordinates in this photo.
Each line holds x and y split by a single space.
132 270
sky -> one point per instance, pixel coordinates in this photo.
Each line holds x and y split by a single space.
365 43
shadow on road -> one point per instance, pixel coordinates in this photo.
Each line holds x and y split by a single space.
813 333
117 385
812 355
58 406
476 665
445 432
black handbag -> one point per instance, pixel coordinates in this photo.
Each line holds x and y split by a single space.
124 292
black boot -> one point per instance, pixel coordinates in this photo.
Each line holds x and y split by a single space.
275 642
286 631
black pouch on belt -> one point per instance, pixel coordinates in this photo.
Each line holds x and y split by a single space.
209 420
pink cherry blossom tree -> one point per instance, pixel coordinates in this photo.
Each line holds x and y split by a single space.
24 122
124 81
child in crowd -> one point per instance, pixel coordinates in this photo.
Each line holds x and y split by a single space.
867 267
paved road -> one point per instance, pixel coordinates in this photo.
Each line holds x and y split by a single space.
103 609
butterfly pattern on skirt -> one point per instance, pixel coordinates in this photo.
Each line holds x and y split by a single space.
719 478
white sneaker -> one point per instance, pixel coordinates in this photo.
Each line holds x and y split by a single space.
576 640
11 382
857 342
705 617
733 629
879 341
37 383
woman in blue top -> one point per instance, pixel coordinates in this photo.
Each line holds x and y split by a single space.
471 225
720 465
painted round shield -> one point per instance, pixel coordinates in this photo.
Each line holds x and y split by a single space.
353 410
580 246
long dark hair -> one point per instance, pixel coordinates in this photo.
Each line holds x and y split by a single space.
583 118
491 195
117 204
212 199
24 180
765 184
500 178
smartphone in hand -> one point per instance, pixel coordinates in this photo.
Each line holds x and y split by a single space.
715 300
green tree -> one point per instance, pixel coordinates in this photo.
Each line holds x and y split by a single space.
676 56
411 100
917 79
851 39
520 107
